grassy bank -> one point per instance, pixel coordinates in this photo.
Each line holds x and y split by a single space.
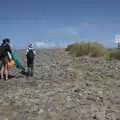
93 49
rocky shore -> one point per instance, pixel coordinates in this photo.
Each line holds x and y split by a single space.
63 88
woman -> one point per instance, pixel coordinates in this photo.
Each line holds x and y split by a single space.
5 58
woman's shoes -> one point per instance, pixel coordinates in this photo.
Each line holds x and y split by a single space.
4 77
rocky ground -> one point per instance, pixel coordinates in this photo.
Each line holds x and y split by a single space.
63 88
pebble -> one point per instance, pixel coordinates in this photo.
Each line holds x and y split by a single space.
41 111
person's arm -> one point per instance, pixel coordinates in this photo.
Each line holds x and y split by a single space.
9 49
34 51
26 51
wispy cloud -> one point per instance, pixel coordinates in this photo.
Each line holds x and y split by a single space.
87 24
58 37
52 31
72 31
67 33
40 44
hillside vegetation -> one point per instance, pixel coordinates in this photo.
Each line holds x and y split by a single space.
93 49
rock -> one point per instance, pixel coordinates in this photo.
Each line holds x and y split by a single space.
68 98
94 116
91 97
3 118
41 111
76 90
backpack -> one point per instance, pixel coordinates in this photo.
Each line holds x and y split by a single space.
2 51
30 54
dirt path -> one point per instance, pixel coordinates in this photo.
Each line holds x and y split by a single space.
63 88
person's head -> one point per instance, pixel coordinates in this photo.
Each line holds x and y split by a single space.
30 44
6 41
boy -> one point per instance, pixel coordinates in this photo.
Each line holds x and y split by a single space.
30 54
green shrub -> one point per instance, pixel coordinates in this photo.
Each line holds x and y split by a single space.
113 54
69 47
79 49
92 49
96 49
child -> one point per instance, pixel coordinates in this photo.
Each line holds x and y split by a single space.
30 54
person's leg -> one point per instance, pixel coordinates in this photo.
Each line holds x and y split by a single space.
28 67
6 71
2 72
2 68
32 67
32 70
6 67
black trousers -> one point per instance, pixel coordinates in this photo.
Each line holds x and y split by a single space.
30 66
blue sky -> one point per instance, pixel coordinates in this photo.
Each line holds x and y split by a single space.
59 22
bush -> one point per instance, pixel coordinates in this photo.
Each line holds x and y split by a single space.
69 47
79 49
92 49
113 54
